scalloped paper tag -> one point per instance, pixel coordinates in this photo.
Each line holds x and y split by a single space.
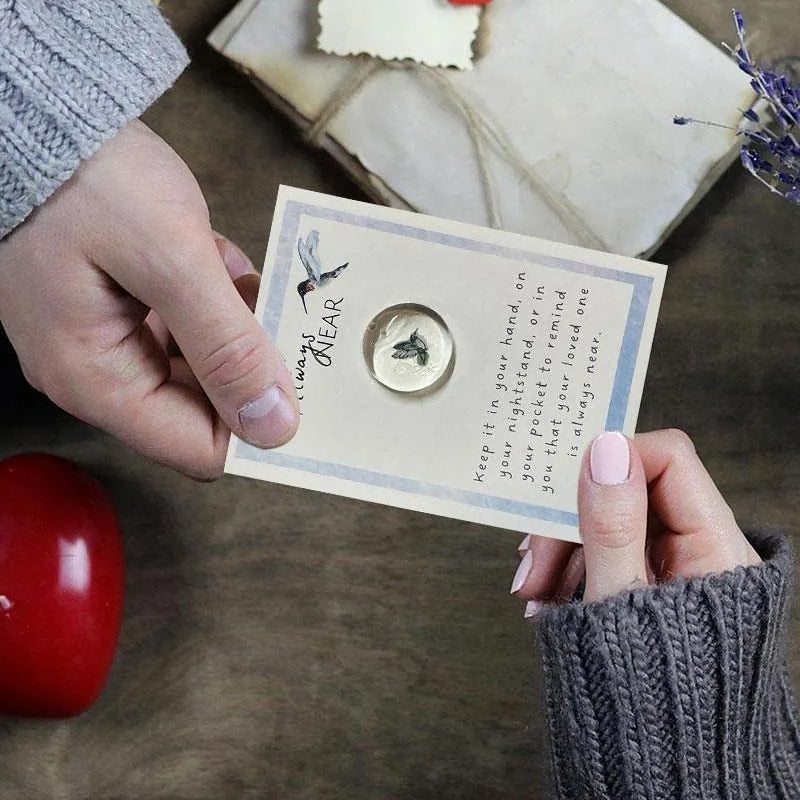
432 32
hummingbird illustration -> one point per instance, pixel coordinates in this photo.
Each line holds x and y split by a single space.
415 345
316 277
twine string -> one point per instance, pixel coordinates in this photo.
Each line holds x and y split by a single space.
483 132
341 98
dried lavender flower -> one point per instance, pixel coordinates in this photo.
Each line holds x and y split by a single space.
770 152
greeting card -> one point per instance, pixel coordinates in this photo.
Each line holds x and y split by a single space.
444 367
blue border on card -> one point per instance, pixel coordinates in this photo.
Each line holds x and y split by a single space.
642 286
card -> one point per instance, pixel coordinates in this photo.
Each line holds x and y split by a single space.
432 32
447 368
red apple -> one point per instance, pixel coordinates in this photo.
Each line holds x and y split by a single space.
62 583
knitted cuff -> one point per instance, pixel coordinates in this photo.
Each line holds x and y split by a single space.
72 73
677 690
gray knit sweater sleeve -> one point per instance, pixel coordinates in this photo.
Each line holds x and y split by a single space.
676 691
72 73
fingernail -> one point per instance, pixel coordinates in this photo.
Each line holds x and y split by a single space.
522 572
248 286
610 459
267 419
533 608
524 545
236 261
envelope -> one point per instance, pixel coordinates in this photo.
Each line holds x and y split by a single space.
562 129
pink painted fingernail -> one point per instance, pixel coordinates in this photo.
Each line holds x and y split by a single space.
533 608
610 459
267 419
522 572
525 545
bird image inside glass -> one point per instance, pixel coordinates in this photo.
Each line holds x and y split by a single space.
308 250
413 347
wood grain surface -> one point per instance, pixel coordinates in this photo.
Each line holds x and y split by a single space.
289 645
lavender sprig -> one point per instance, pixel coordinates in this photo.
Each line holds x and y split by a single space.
770 152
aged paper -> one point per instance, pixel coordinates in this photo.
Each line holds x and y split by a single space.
432 32
549 347
583 92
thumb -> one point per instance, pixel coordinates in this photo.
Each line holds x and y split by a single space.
612 506
229 353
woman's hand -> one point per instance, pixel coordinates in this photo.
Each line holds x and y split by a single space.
649 511
106 277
